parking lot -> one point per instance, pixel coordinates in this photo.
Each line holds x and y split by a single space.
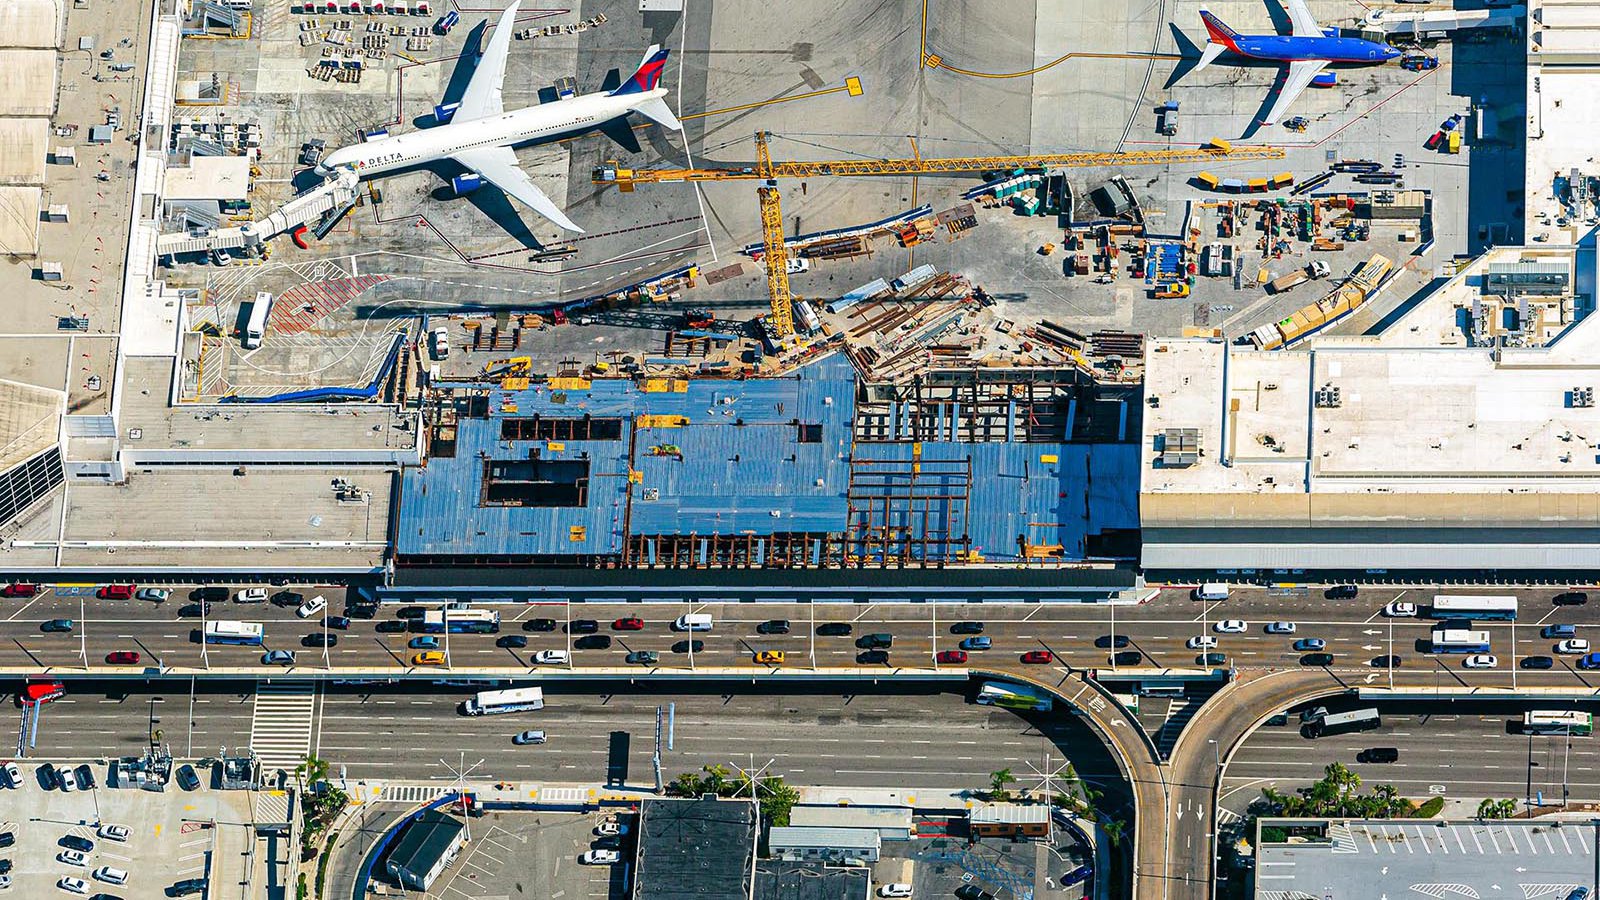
531 854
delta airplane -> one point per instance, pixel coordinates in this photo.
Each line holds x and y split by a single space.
481 135
1308 49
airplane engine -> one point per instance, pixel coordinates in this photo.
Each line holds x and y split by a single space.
1325 80
466 184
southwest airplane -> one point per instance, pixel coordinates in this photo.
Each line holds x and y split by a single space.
1308 49
481 135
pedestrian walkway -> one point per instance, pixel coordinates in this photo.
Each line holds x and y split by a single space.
304 305
412 793
1179 712
281 723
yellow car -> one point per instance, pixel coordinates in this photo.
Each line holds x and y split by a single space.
428 658
770 656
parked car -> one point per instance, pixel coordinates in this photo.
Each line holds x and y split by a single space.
951 657
278 658
583 626
1570 598
1308 644
56 626
878 641
154 595
1111 641
690 646
186 887
1038 657
210 594
118 833
117 592
285 599
251 595
967 628
552 657
13 773
73 842
539 625
423 642
85 775
610 828
428 658
1280 628
643 657
1398 610
122 658
872 657
593 642
1540 662
1591 661
628 623
527 737
895 889
834 629
410 612
770 657
773 626
312 607
8 838
67 778
1482 661
972 892
1341 592
1201 642
73 885
72 858
1231 626
975 643
20 589
600 857
511 642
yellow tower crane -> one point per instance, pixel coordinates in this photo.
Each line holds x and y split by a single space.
767 171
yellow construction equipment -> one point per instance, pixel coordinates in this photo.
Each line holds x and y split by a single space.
774 254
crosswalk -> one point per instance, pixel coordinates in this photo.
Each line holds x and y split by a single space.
281 723
304 305
412 793
1179 712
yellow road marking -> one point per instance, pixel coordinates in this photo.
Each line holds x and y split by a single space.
851 84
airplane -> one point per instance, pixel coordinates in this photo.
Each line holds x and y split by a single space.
1308 49
481 135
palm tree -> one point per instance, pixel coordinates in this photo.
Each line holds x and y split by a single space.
997 784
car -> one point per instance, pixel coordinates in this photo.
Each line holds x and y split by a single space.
1317 659
392 626
428 658
312 607
794 265
628 623
340 623
285 599
20 589
835 629
117 592
511 642
1127 658
967 628
1308 644
439 341
1280 628
123 658
56 626
773 626
410 612
67 778
251 595
423 642
972 892
1201 642
85 777
193 610
73 842
187 886
610 828
319 639
13 773
878 641
1480 661
1572 646
1578 893
527 737
1038 657
975 643
691 646
110 875
953 657
643 657
104 897
1341 592
600 857
278 658
7 838
872 657
118 833
1537 662
582 626
1111 641
593 642
1570 598
895 889
1590 661
1378 755
212 594
72 858
1558 631
1385 662
154 595
73 885
1231 626
1211 659
539 625
770 657
1398 610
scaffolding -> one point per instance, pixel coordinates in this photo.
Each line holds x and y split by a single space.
908 512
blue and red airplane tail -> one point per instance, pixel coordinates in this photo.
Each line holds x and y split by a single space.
1220 33
648 74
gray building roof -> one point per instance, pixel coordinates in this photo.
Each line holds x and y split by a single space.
808 881
895 817
425 841
815 836
695 850
1011 813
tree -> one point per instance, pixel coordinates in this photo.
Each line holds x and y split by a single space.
777 798
997 785
1113 829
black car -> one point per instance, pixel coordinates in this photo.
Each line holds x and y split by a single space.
104 897
186 887
1378 755
193 610
1384 662
967 628
1570 598
392 626
1537 662
187 779
1128 658
1341 592
1317 659
583 626
871 657
409 612
773 626
684 647
879 641
288 598
539 625
317 639
1279 719
85 777
1108 642
213 594
73 842
593 642
5 867
834 629
511 641
973 892
361 610
7 838
340 622
1211 659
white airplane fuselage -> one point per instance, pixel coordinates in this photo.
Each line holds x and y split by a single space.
529 125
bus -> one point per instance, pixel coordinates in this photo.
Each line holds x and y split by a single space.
461 621
1492 608
1571 722
1343 723
488 703
1014 696
255 327
1460 640
227 631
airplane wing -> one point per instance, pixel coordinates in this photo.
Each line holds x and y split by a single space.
1302 22
499 166
1301 71
484 94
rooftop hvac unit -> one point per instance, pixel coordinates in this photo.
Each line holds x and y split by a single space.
1328 397
1180 447
1581 397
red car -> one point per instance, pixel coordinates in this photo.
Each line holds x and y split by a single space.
19 589
956 657
117 592
122 658
629 623
1038 657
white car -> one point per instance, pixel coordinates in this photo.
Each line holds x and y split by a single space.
600 858
67 779
5 882
251 595
1280 628
13 774
73 885
1398 610
551 657
1480 661
794 265
611 828
1202 642
113 832
312 607
73 857
440 338
1573 645
895 889
1231 626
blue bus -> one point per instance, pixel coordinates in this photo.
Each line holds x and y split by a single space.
461 621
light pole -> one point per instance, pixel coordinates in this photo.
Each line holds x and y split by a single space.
1513 654
1390 660
205 646
1113 634
935 636
83 636
811 608
1216 756
1566 757
568 606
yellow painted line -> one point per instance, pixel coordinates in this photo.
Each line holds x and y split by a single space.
852 85
158 830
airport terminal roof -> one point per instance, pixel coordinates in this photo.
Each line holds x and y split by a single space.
19 220
29 419
30 23
209 178
23 143
27 82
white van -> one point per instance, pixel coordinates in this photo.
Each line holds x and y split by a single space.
1211 590
693 622
312 607
110 875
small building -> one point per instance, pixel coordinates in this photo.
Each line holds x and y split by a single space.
209 183
1010 820
779 880
695 849
428 845
806 843
893 823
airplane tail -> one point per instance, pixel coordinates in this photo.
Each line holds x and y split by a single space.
656 110
648 74
1220 38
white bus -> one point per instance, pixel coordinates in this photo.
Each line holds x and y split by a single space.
255 328
227 631
1014 696
1460 640
461 621
1578 724
1498 608
1343 723
488 703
